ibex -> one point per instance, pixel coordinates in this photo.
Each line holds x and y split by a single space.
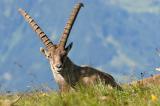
65 72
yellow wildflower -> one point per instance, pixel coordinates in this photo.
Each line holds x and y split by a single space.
45 94
154 98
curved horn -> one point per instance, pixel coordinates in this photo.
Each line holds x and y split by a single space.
46 41
69 24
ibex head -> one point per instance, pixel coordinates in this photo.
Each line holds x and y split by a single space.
55 53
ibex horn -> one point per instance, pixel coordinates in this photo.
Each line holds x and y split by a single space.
46 41
69 24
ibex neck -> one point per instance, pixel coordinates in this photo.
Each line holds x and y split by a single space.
69 65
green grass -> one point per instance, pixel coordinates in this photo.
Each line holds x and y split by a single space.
97 95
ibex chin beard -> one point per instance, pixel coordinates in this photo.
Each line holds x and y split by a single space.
58 70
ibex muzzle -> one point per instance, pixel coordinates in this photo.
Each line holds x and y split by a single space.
65 72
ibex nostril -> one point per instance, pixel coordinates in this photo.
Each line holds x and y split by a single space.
59 65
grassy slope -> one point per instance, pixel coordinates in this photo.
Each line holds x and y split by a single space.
99 95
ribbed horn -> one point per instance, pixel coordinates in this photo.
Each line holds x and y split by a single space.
46 41
69 24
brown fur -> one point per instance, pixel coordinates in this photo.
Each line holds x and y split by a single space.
155 79
73 74
65 72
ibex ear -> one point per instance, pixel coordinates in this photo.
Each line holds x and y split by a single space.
68 48
44 52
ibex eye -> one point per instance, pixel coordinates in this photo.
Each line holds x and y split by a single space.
49 56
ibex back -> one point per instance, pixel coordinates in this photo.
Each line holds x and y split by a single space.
65 72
